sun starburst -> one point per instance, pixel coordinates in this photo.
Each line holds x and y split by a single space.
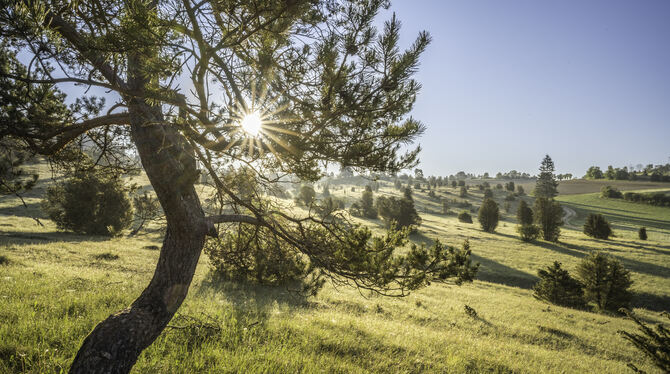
255 130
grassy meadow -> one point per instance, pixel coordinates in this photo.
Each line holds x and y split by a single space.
55 287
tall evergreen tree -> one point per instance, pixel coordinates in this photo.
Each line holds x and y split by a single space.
546 184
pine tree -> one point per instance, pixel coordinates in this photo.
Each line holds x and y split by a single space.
605 281
464 216
314 69
367 204
546 184
549 217
642 233
597 226
399 211
524 214
489 215
558 287
306 195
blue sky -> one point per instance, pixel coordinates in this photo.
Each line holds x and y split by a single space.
505 82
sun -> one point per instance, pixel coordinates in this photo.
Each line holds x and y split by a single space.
252 123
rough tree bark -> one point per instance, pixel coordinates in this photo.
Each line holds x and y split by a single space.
116 343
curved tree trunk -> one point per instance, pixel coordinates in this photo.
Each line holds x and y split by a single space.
115 344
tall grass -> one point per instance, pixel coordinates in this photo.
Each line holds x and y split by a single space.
56 286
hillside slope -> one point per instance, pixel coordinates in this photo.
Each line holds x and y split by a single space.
54 287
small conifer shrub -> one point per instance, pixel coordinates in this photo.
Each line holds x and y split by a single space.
464 216
528 233
642 233
558 287
596 226
489 215
605 281
90 204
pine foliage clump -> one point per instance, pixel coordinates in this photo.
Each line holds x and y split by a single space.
524 214
606 282
465 217
489 214
549 217
90 204
250 254
596 226
367 204
528 233
653 342
398 213
642 233
558 287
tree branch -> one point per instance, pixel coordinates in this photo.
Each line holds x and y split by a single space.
234 218
67 31
61 80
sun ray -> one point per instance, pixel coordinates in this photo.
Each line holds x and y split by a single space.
274 151
251 147
279 129
259 145
279 141
230 145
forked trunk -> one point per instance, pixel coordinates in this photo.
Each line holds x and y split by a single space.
115 344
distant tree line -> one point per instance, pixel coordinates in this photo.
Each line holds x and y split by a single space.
651 198
657 173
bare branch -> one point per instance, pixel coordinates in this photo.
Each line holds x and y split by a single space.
234 218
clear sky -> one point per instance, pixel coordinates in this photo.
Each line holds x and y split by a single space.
505 82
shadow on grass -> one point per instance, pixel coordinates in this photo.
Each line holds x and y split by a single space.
495 272
489 270
615 218
243 294
31 210
652 302
48 237
581 251
370 351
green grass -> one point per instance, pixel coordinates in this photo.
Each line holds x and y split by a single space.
626 217
56 286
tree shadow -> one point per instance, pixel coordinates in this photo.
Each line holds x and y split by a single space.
490 270
48 237
656 303
583 210
630 264
32 210
245 294
495 272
